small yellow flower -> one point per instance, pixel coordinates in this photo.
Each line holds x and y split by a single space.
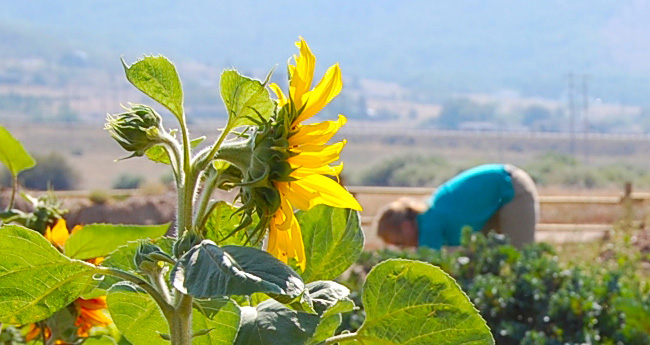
308 183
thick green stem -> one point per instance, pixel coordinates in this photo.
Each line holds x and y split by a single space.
180 323
175 156
187 149
204 199
159 298
14 188
217 145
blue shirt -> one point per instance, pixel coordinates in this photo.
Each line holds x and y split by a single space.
468 199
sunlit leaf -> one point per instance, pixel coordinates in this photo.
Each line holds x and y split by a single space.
136 315
139 318
222 221
13 154
220 316
156 76
122 258
158 153
97 240
36 280
245 98
412 302
333 241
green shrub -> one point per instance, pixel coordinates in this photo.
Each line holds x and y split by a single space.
529 297
408 171
51 172
128 181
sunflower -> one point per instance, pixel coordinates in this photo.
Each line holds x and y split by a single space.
90 312
309 182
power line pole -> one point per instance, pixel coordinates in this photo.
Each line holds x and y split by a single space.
572 115
585 115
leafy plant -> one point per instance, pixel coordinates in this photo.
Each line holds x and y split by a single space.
528 297
255 272
128 181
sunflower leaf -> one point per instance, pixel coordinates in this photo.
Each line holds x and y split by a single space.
209 271
330 299
96 240
333 241
417 303
13 154
136 314
221 315
271 323
36 280
138 317
246 99
122 258
222 221
156 77
158 153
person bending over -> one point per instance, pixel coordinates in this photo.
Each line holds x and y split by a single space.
499 197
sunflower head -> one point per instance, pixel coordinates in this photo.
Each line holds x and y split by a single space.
137 129
261 159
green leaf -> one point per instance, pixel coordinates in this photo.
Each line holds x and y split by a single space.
13 154
141 321
101 340
221 316
222 221
245 98
36 280
136 315
156 76
208 271
333 241
122 258
412 302
271 323
326 328
158 153
96 240
329 297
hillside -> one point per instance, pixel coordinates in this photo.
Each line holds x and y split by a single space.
436 48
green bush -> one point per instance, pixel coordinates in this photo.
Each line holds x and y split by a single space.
557 169
408 171
51 172
528 297
128 181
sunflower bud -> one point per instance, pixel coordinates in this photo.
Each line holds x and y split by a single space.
147 257
187 241
137 129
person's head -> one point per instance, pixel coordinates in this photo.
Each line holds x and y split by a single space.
397 224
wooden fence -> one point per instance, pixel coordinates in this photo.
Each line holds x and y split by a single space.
373 198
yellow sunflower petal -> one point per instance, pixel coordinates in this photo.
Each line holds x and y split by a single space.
283 215
315 156
329 192
302 74
297 244
279 243
299 198
58 234
323 170
282 99
317 133
328 88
